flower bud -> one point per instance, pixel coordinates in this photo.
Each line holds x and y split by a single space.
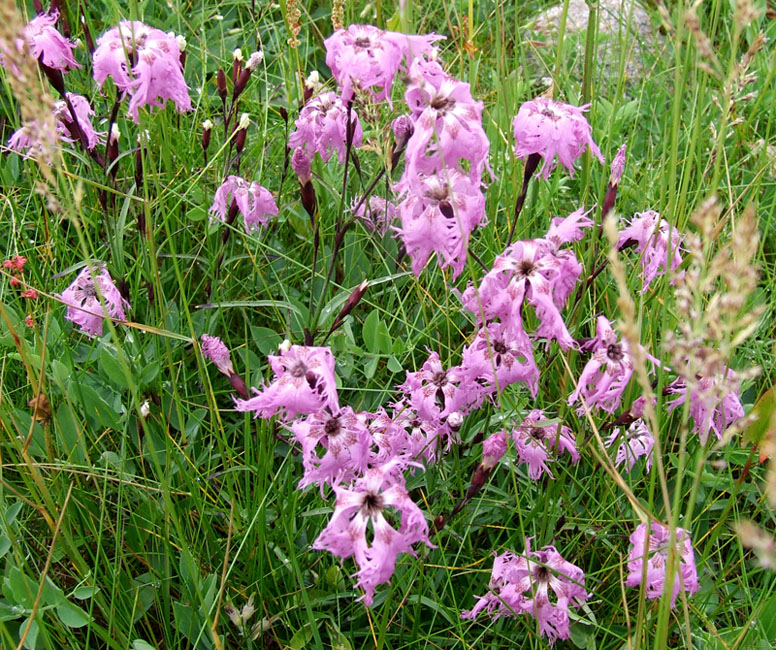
221 83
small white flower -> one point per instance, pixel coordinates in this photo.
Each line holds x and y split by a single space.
181 42
285 346
237 55
115 134
245 121
255 60
145 409
207 125
313 81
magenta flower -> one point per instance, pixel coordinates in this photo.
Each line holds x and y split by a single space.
715 402
540 583
83 302
448 125
493 449
144 62
538 442
607 373
367 57
304 383
213 349
335 446
363 504
499 356
34 140
632 444
549 128
45 43
254 202
657 242
322 127
439 218
654 552
617 167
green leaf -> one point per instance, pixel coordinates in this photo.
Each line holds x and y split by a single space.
60 372
394 365
371 367
139 644
72 615
384 342
32 634
369 332
112 369
301 638
266 340
85 591
149 373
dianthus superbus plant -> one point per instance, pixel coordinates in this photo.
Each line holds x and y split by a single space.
488 300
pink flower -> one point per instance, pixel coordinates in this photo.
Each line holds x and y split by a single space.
361 507
254 202
658 243
448 125
376 213
144 62
632 444
83 112
549 128
538 442
618 167
499 356
529 584
322 127
439 218
34 140
214 350
335 446
607 373
525 272
367 57
433 392
651 548
715 402
46 44
493 449
564 230
83 302
304 383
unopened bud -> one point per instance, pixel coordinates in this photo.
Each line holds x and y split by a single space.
237 58
207 128
454 421
284 347
313 82
145 409
245 121
255 59
221 83
618 167
181 40
300 163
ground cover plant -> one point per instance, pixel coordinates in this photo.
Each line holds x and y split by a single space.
376 325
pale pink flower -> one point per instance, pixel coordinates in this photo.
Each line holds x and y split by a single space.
540 583
144 62
618 167
254 201
715 402
214 350
607 373
376 213
493 449
538 442
633 443
651 548
304 383
83 112
45 43
448 126
549 128
499 356
367 57
361 507
34 140
322 126
439 217
83 302
435 392
656 241
335 446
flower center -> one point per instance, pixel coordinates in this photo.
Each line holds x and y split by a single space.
542 574
439 378
362 42
332 427
372 505
537 433
526 268
499 347
299 370
442 104
614 352
548 112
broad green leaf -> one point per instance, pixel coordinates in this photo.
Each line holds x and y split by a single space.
72 615
369 331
